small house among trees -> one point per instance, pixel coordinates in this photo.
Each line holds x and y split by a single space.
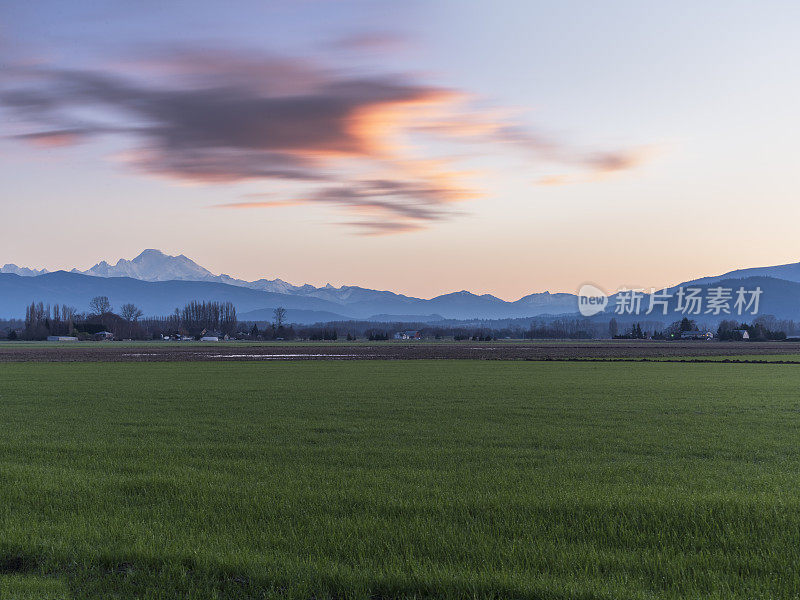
407 335
697 335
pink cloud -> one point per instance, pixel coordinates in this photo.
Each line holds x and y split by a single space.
222 117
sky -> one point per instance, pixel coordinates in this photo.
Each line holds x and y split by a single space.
421 147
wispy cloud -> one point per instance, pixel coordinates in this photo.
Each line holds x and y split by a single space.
56 138
356 142
261 204
373 228
599 166
369 42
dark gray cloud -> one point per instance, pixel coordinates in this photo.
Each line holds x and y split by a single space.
234 131
387 206
413 200
223 117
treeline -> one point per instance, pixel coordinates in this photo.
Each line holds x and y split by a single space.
634 333
42 320
195 319
479 331
218 319
198 319
574 329
10 328
203 317
762 329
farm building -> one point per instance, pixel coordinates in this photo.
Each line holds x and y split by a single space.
209 338
697 335
407 335
61 338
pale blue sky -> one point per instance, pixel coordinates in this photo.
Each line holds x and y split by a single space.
702 97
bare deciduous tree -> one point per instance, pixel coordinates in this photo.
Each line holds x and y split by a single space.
280 316
130 312
202 317
68 313
613 328
100 305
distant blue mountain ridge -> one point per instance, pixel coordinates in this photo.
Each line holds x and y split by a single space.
159 283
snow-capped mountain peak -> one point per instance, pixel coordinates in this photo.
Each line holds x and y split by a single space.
22 271
153 265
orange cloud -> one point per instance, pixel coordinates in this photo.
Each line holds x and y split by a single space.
379 126
553 180
359 143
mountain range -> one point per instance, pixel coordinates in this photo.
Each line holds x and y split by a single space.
158 283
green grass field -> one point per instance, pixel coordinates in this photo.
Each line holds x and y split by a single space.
439 479
746 357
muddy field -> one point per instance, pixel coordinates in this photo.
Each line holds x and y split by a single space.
542 350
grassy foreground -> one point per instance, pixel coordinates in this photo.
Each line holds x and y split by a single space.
399 479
